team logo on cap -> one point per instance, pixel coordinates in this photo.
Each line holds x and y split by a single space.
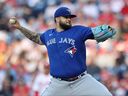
69 11
71 51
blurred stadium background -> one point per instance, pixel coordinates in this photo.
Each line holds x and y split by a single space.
24 65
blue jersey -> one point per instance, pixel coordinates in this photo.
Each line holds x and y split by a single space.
66 50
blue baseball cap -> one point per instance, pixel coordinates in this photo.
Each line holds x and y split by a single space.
63 11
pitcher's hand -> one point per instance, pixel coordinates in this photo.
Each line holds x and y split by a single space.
14 23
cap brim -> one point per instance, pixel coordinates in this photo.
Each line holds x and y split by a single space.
71 16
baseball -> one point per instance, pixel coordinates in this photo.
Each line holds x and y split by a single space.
12 21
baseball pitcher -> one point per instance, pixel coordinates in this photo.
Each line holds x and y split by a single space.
67 55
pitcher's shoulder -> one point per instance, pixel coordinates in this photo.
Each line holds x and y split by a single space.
48 31
80 26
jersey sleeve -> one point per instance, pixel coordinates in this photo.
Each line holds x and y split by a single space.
42 38
87 33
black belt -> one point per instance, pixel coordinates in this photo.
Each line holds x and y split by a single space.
73 78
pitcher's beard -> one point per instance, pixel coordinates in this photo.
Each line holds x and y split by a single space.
65 26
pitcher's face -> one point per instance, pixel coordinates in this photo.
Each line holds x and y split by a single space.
65 22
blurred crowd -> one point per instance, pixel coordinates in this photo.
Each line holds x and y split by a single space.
24 65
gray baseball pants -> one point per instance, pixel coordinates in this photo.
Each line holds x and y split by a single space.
84 86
